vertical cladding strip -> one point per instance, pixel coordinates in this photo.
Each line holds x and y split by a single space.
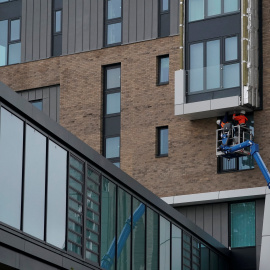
86 25
49 29
199 216
208 219
224 224
140 20
217 221
181 32
148 19
65 27
100 25
58 103
23 31
71 26
93 24
53 103
29 30
126 22
32 95
79 26
259 223
132 20
191 214
43 29
36 30
155 19
174 17
46 101
39 94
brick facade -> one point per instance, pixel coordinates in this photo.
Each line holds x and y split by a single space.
191 166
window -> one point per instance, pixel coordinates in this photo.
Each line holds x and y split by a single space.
113 22
37 103
57 28
163 70
112 112
10 42
214 65
162 141
242 217
240 163
164 18
201 9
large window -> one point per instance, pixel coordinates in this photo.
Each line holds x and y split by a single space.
164 18
10 42
112 112
242 227
201 9
113 22
214 65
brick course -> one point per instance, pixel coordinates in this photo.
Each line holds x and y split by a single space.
191 166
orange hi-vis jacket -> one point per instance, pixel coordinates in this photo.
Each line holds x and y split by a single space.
240 118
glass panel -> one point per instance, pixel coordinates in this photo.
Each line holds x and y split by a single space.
163 147
74 248
165 5
76 206
214 7
231 5
92 215
15 29
204 258
113 103
164 70
91 236
196 68
75 227
3 42
92 205
213 64
76 217
11 152
75 184
231 48
124 212
14 54
113 78
75 195
56 203
90 256
75 238
164 244
114 33
76 164
138 236
112 147
196 10
108 228
114 9
34 183
92 246
213 261
91 225
117 164
38 104
243 224
93 196
93 185
58 21
176 248
186 250
91 174
231 75
75 174
152 240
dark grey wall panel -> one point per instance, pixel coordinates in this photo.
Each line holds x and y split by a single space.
94 23
140 19
100 24
79 26
65 28
191 214
199 216
50 97
71 26
224 224
155 19
86 24
217 222
208 219
148 17
132 21
174 17
36 29
125 27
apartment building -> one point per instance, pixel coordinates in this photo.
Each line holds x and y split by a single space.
143 83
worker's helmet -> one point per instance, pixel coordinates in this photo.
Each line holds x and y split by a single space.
243 112
218 122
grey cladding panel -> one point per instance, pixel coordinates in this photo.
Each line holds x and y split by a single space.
125 22
43 29
132 21
140 19
23 31
148 19
100 24
71 26
224 224
49 29
86 25
65 27
36 30
79 26
217 222
93 26
174 17
199 216
191 215
29 29
155 19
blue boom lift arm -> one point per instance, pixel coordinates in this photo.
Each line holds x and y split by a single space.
230 152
